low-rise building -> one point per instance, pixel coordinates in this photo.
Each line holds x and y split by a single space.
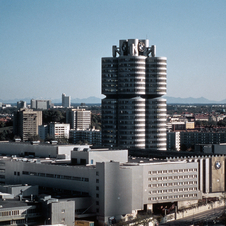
115 185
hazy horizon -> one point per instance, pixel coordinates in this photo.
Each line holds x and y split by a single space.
54 47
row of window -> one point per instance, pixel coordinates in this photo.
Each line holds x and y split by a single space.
55 176
172 197
173 177
9 213
172 184
173 190
173 171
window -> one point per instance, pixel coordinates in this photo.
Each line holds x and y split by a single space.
97 180
97 188
97 173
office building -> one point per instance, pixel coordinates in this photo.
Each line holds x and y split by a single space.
41 104
91 136
59 130
109 183
133 79
173 141
22 205
66 101
43 131
21 104
190 139
26 122
78 118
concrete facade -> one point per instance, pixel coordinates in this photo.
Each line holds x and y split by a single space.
26 122
92 136
78 118
59 130
41 104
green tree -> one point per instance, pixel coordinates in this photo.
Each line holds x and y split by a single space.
53 116
96 121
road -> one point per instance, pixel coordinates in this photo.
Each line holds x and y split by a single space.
206 216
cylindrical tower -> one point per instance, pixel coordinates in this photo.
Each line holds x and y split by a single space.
132 80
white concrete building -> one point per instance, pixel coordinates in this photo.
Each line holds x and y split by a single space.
59 130
78 118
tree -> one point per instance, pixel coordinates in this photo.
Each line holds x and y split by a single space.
96 121
53 116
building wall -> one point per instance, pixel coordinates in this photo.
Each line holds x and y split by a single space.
43 150
59 130
26 122
94 156
192 138
78 118
66 101
114 190
173 141
41 104
63 212
218 174
90 136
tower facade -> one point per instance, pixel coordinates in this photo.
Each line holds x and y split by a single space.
26 122
133 79
66 101
78 118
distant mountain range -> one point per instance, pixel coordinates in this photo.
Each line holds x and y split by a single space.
191 100
96 100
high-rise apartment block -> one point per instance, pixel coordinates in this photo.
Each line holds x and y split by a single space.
78 118
133 79
26 122
66 101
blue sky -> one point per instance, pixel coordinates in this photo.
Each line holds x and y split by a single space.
50 47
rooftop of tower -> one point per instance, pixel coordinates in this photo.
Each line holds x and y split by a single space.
134 47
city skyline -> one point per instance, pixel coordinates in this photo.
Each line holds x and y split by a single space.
52 47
